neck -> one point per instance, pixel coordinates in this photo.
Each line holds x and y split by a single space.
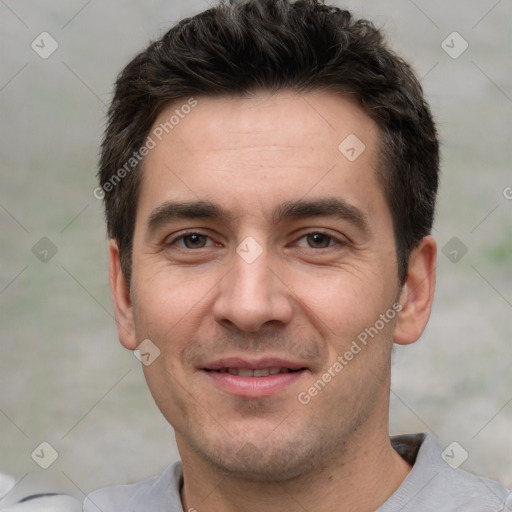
360 477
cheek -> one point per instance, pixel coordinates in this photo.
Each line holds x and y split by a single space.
167 306
342 302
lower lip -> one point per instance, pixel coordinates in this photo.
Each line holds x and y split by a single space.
253 387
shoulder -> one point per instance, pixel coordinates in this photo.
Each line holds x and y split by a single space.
26 495
155 494
44 502
472 492
435 484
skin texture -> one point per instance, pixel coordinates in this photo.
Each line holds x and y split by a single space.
304 299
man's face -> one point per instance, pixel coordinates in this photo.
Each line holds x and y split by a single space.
253 294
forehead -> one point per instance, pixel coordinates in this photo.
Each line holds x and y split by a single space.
253 153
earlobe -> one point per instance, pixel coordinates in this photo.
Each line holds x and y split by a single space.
122 301
418 293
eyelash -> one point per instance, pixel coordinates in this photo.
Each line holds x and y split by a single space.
332 240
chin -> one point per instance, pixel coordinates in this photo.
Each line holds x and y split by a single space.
262 462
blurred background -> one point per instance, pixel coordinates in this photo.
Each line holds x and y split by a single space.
66 381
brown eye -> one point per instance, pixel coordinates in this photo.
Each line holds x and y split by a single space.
194 241
318 240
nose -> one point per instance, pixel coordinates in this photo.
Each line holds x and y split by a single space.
252 295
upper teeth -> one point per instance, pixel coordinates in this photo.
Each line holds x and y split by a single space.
247 372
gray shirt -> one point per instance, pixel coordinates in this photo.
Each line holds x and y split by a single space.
431 486
27 496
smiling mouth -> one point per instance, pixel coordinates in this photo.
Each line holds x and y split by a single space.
254 379
260 372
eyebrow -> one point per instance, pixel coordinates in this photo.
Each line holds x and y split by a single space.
170 211
173 210
327 207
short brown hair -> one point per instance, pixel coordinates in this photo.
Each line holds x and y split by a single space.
239 48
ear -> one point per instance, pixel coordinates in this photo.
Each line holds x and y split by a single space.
417 293
122 301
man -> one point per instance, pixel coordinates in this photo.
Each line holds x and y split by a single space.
269 172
